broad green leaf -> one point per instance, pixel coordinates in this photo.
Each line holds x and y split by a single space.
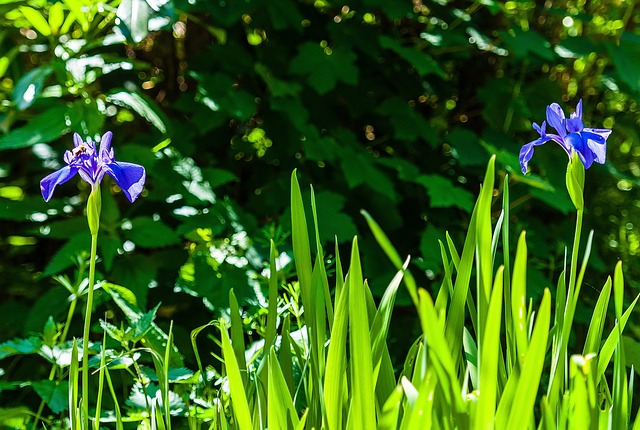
423 62
468 149
277 87
146 232
140 103
30 85
56 17
55 394
14 417
407 123
19 346
156 339
43 128
443 194
36 19
218 177
325 67
66 255
525 43
134 19
625 58
332 221
78 12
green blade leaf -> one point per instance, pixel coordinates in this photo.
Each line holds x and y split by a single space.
240 404
529 381
362 413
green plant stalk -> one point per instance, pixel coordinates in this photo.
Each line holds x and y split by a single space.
85 333
94 205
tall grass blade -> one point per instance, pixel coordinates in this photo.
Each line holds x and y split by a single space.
116 406
96 422
272 314
320 263
282 413
456 314
596 326
286 362
490 350
363 402
440 356
390 414
74 419
609 346
519 300
581 413
334 394
506 256
529 381
240 404
300 239
237 334
484 256
392 254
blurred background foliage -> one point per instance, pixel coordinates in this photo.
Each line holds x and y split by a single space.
392 106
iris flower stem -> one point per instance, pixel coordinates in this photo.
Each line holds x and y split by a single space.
85 335
574 253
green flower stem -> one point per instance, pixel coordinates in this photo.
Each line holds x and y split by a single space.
85 335
94 205
574 253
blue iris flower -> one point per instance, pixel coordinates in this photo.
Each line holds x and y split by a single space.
573 136
91 165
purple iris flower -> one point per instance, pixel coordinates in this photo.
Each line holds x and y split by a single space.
91 165
589 143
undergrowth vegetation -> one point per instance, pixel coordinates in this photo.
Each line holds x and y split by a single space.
488 356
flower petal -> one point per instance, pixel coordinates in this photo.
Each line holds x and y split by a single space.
574 125
105 143
602 133
555 118
77 140
579 145
578 112
527 152
129 177
597 143
50 182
